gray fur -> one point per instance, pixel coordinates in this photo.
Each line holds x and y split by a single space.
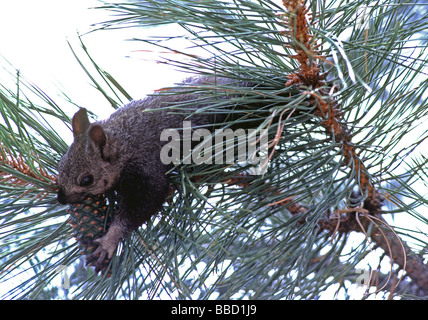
122 153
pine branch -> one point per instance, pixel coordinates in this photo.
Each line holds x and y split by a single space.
308 75
334 143
366 219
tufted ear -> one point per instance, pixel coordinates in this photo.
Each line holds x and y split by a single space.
99 140
80 122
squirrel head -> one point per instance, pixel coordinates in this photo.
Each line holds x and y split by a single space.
89 167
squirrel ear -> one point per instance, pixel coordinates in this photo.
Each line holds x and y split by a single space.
80 122
98 136
99 140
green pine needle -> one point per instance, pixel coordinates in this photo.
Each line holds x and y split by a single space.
218 240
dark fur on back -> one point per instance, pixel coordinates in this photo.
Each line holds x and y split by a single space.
122 154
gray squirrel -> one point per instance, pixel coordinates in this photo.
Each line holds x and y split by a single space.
122 152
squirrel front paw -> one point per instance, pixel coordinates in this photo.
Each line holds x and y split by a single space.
103 254
107 244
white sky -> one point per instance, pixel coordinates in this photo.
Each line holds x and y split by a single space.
34 36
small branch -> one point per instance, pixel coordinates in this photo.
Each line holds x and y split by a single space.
357 220
308 75
384 237
18 164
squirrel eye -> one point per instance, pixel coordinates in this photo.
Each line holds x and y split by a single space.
86 181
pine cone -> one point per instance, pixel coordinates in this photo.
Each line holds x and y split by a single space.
90 221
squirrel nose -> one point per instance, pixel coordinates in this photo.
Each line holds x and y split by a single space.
62 199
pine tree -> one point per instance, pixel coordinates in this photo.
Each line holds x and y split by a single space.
343 85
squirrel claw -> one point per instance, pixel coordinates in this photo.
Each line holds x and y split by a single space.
102 255
107 244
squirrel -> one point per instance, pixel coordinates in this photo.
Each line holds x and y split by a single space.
121 154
